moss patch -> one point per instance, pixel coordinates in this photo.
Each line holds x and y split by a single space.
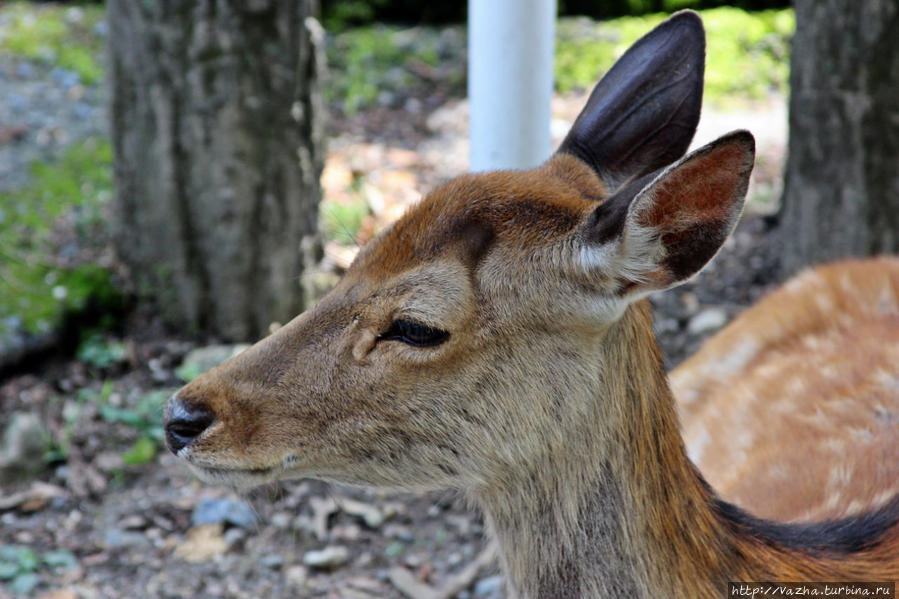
42 276
67 37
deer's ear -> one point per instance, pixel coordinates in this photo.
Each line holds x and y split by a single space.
661 230
642 114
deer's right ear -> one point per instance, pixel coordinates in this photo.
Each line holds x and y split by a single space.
642 114
662 229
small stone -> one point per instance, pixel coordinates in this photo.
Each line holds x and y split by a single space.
486 587
234 536
272 561
109 461
708 320
372 516
296 576
133 522
397 531
322 508
214 511
346 532
327 558
22 447
116 538
414 560
281 520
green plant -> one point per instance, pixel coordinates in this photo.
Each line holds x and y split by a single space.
55 35
146 418
99 351
188 371
341 222
38 286
19 566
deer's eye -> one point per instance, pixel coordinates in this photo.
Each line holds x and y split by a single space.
414 333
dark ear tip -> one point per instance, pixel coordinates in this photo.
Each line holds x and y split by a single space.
743 138
689 22
687 17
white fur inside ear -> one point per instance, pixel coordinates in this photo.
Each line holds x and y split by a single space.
626 260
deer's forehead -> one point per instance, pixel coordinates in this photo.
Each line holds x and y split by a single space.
463 219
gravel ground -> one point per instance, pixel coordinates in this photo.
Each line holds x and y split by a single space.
150 530
43 110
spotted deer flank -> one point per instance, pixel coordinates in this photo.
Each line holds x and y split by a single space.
497 340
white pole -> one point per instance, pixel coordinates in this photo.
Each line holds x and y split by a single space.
510 81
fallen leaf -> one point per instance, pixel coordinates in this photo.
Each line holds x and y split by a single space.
202 543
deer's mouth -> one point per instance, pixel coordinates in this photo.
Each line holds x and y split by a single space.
237 475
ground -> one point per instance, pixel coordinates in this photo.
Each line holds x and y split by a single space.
108 514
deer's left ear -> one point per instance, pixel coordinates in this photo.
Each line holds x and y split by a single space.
663 228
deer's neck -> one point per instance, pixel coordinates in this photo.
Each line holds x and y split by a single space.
614 508
617 510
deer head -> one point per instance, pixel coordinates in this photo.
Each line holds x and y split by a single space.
471 336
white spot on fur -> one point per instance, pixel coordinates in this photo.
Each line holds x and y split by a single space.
888 380
696 447
883 497
736 360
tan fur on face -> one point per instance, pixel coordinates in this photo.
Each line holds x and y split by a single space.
323 396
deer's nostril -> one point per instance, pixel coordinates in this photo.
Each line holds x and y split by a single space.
184 423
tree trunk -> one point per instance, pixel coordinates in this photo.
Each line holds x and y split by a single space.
841 193
218 153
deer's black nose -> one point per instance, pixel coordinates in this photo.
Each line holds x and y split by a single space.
184 422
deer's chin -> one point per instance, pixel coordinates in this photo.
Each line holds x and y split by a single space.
239 476
241 479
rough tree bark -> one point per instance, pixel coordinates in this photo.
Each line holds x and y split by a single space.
218 153
841 194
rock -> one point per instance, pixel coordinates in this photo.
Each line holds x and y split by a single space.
328 558
346 532
372 516
109 461
199 360
400 532
489 586
708 320
281 520
116 538
22 448
133 522
220 511
322 508
296 576
272 561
